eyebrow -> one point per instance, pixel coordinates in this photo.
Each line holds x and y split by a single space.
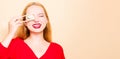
40 13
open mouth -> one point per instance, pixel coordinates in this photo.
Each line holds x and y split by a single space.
36 25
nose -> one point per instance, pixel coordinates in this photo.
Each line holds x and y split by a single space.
36 19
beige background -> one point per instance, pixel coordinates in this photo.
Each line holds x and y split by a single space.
86 29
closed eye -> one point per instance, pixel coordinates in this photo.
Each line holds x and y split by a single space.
41 15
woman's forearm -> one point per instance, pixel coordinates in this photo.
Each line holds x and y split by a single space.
7 40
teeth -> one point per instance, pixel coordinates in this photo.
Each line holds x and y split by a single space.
30 17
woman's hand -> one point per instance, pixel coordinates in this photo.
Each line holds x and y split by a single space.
13 24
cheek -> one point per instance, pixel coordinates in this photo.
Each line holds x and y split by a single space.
28 25
44 23
44 20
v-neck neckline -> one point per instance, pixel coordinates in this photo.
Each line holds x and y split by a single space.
34 53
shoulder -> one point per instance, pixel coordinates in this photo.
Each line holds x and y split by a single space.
56 46
16 41
57 50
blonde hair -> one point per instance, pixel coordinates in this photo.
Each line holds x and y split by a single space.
23 31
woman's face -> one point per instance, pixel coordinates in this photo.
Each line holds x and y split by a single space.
39 21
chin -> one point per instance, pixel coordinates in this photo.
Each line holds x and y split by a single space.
37 30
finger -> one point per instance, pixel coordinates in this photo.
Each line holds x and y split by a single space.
17 18
21 16
18 22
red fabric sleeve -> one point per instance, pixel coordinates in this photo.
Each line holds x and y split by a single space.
6 53
59 51
62 53
3 52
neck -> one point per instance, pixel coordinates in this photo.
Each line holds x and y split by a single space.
36 37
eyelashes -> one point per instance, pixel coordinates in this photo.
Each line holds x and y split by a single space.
41 15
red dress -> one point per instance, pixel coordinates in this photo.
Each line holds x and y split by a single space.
18 49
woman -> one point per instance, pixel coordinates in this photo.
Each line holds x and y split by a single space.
29 36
